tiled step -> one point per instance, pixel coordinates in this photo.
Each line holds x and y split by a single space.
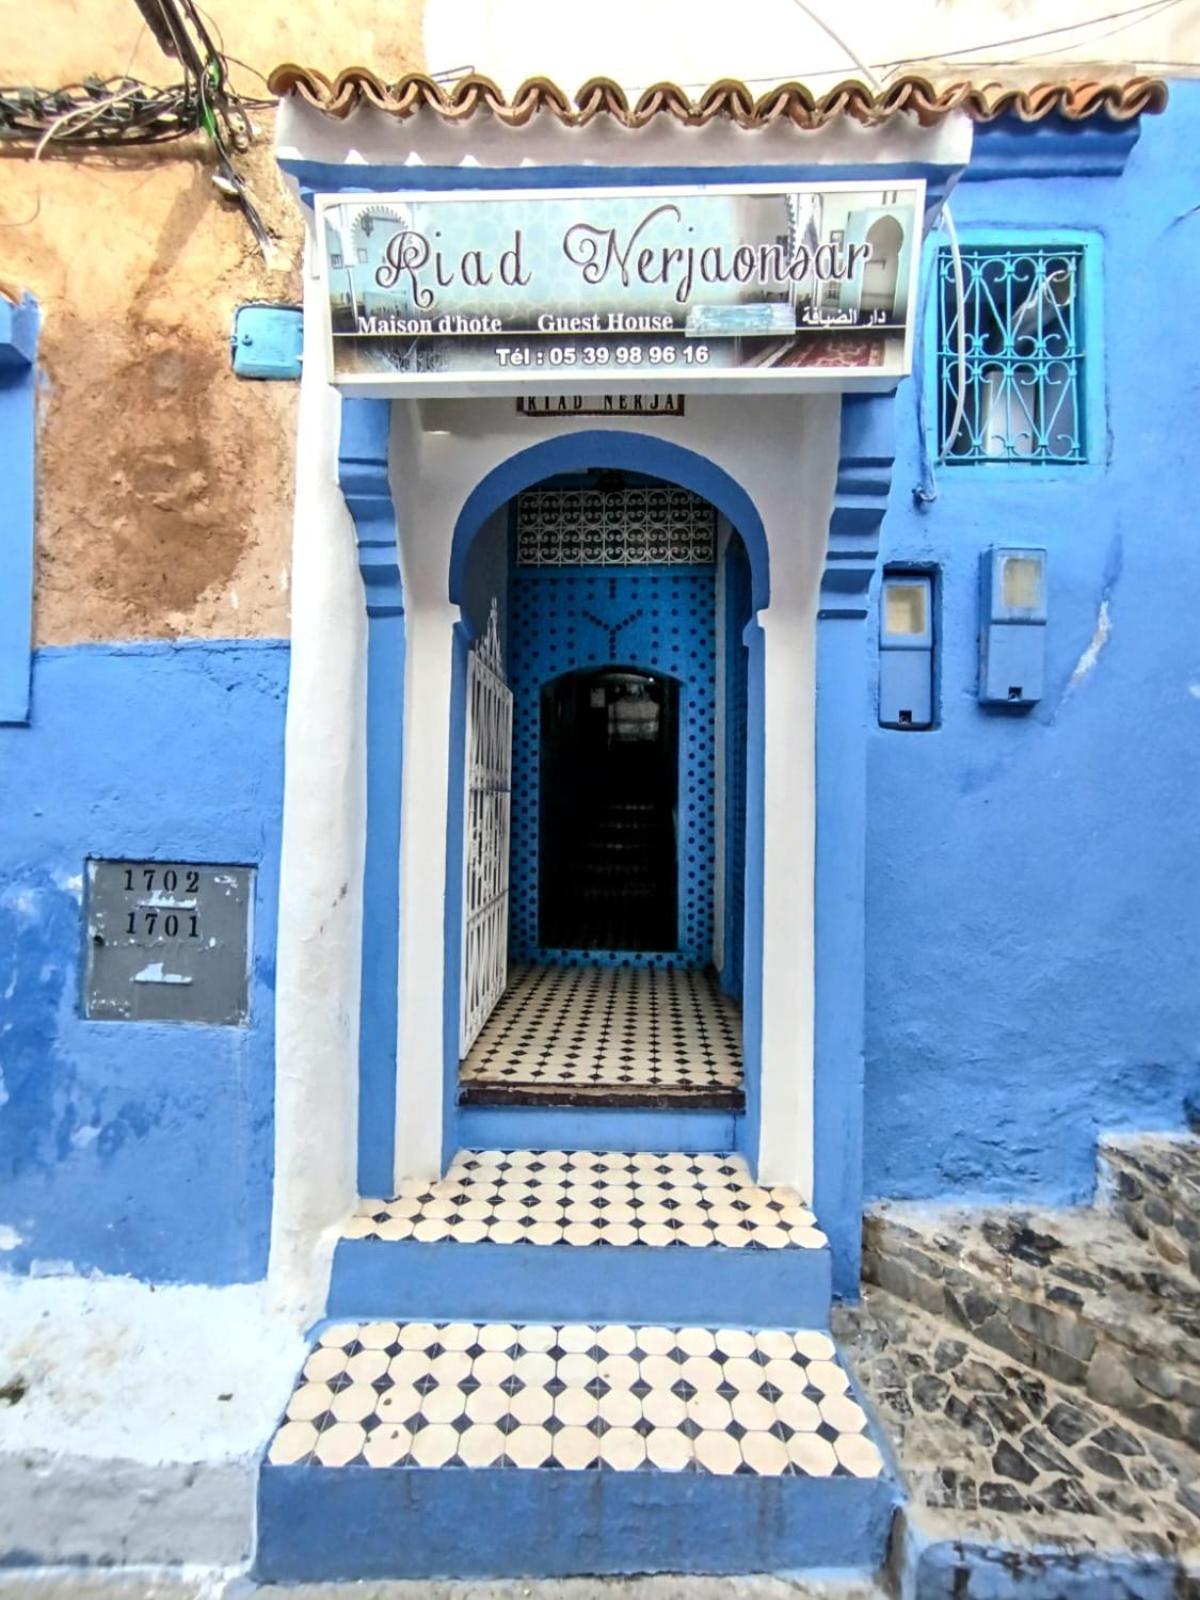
1072 1294
497 1450
1151 1181
525 1234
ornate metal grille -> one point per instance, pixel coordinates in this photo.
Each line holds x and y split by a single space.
1023 315
656 526
487 819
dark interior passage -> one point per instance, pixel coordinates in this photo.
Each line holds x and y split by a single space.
608 873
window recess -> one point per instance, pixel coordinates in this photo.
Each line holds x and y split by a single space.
1022 314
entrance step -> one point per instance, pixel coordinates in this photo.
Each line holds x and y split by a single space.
525 1234
1075 1295
679 1125
490 1450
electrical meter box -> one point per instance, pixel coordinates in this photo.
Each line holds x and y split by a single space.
1012 626
906 651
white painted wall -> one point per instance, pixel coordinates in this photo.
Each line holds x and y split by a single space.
320 902
145 1412
764 42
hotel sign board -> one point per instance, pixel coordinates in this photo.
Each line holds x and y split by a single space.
751 287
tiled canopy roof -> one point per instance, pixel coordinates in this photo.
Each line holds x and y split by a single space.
787 102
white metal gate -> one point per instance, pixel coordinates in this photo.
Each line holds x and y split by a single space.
486 822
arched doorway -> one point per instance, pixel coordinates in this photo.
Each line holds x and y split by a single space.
882 270
623 603
608 863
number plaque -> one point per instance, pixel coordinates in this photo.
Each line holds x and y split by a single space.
168 941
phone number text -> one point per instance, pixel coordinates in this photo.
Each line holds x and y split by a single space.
602 355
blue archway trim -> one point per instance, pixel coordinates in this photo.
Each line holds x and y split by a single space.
864 477
363 477
603 447
574 452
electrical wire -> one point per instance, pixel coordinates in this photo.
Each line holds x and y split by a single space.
926 493
1152 8
960 342
111 113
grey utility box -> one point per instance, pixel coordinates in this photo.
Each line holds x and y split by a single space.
906 651
168 941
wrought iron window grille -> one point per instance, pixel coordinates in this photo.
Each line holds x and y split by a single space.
1023 314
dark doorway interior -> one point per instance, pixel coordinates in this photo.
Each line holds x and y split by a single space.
607 856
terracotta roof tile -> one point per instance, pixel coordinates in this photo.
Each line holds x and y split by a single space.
1076 100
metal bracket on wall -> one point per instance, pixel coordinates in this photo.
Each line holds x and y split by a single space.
267 341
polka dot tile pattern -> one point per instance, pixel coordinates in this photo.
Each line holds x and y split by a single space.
657 620
590 1197
608 1028
576 1396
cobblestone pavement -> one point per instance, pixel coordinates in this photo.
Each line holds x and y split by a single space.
992 1450
1103 1299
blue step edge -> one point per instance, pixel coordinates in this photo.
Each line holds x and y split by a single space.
602 1128
671 1285
328 1524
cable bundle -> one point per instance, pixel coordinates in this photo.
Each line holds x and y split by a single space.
109 113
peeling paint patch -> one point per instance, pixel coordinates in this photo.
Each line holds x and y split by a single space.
1091 655
155 973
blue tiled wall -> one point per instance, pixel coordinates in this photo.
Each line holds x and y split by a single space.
662 620
1033 889
735 665
141 1148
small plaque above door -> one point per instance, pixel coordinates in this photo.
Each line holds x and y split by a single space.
600 405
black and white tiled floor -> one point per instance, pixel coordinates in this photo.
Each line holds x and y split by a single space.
576 1396
604 1031
585 1197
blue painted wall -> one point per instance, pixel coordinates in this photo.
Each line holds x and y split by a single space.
142 1148
1033 882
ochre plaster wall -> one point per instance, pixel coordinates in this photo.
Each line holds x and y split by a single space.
165 483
